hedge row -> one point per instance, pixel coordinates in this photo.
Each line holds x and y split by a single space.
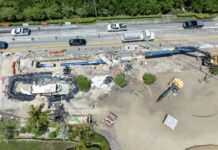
92 19
198 16
129 17
81 20
60 21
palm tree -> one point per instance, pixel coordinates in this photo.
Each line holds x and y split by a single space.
38 119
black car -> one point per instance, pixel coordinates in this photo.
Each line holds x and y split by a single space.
193 24
3 45
77 42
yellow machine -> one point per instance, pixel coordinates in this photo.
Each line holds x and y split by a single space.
175 86
176 82
214 60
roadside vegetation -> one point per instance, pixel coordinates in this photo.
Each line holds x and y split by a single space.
36 145
214 70
77 137
197 15
120 80
38 120
8 128
87 138
83 83
54 134
149 78
57 11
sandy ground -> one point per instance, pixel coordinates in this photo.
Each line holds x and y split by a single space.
139 125
140 118
209 147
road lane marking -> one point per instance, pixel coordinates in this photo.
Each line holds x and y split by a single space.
189 38
62 46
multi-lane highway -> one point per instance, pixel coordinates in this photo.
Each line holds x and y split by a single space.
96 34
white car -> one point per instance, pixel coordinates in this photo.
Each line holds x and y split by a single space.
115 27
20 32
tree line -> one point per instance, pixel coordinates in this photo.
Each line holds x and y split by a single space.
39 10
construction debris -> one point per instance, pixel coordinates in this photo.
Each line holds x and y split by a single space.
54 88
110 119
170 121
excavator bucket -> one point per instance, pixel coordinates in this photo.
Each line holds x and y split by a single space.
214 60
177 82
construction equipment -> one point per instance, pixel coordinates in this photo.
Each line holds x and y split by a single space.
67 70
175 86
207 59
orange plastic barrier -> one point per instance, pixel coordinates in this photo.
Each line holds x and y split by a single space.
13 68
6 25
44 23
56 51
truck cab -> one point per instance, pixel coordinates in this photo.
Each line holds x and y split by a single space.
149 36
20 32
116 27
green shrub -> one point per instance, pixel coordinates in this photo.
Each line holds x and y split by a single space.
149 78
120 80
73 20
198 16
52 135
188 14
57 131
214 70
97 138
38 120
23 130
83 83
59 21
205 16
16 133
28 129
129 17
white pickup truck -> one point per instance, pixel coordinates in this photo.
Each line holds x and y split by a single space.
138 36
115 27
20 32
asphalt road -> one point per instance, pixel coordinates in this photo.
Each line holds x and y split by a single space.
96 35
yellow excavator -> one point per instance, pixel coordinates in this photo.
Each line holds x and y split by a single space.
175 86
210 61
207 59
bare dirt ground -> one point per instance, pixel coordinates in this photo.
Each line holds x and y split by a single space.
209 147
139 125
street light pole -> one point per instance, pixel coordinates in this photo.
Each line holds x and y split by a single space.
96 14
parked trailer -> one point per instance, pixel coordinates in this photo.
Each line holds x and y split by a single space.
138 36
83 63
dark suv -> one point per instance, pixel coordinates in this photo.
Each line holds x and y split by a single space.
193 24
3 45
77 42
